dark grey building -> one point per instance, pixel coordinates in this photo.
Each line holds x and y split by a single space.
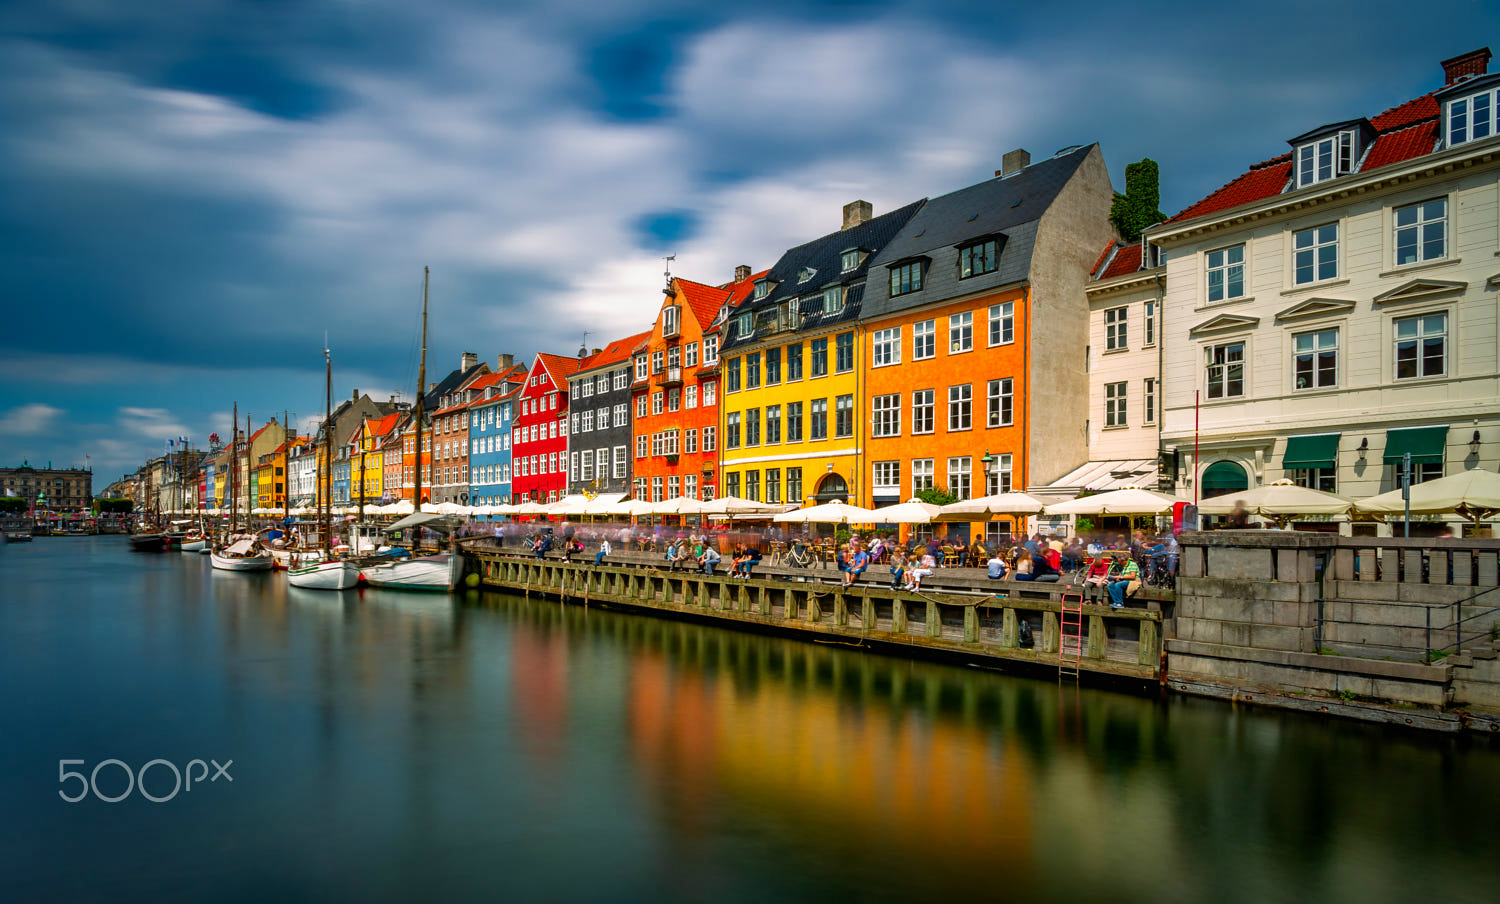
599 419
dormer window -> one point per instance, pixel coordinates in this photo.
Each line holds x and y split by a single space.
671 318
1472 118
805 274
978 258
746 325
763 288
833 299
1330 152
906 277
850 259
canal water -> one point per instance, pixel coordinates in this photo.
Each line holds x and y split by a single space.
405 747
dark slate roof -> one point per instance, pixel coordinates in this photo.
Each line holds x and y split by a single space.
1009 207
825 256
453 381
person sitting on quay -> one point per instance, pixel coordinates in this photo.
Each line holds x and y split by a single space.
924 568
898 569
857 565
709 559
995 567
737 563
604 550
1044 568
542 545
1022 571
1125 581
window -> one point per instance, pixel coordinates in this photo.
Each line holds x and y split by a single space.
690 486
843 352
923 340
794 362
1148 397
960 332
690 441
669 442
656 401
752 426
819 418
658 445
710 436
745 325
887 478
773 485
976 259
1226 273
588 421
670 317
690 355
657 362
640 405
906 278
674 399
674 358
820 357
1321 160
1325 479
575 470
1421 346
673 486
773 424
762 288
843 424
921 475
1226 370
710 350
752 370
656 489
690 400
998 480
622 414
752 485
959 400
640 446
1114 404
849 260
1148 339
732 483
794 485
732 430
1315 361
773 366
1472 118
1422 232
833 300
886 415
1115 329
622 379
887 347
1002 403
1003 323
732 368
922 411
1315 254
794 422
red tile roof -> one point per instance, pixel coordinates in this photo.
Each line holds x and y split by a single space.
741 290
1126 259
380 426
617 351
1403 132
561 366
1103 256
704 301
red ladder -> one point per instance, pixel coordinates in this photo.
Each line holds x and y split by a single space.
1070 635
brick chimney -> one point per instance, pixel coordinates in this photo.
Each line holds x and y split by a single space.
1475 62
856 212
1014 162
504 363
468 360
355 397
742 272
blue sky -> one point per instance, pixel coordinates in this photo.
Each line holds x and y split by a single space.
193 191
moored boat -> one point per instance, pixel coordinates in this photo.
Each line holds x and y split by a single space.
339 575
18 536
148 542
241 555
439 572
194 544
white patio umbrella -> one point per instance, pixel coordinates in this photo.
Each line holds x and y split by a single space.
1129 501
603 504
1473 494
679 506
734 505
569 505
504 508
448 508
1278 501
430 508
403 508
912 511
631 508
531 508
987 506
834 512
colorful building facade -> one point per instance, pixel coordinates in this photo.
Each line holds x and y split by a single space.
539 435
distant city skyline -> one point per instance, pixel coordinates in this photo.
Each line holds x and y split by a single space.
192 194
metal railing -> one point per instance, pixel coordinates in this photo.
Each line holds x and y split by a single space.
1440 619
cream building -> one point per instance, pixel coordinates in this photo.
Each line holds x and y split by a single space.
1336 307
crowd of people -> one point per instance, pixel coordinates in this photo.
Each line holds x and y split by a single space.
1114 565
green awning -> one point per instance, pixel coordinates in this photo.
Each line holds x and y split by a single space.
1223 477
1424 443
1318 451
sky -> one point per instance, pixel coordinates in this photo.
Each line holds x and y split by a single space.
194 192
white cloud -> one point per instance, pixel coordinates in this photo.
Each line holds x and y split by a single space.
28 420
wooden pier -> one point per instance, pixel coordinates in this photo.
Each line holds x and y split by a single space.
980 627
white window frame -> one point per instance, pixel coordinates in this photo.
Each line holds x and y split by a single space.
885 415
1312 354
1116 404
1223 368
960 407
1228 265
1001 403
886 347
886 475
1148 323
1002 323
923 475
960 332
1313 252
1117 329
1149 391
923 411
961 477
1326 158
924 333
1422 222
1459 123
1418 338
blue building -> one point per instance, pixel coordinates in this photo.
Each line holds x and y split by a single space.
489 434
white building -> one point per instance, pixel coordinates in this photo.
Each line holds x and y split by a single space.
1336 306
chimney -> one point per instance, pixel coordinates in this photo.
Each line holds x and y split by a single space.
431 387
504 363
1014 162
598 350
1475 62
468 360
856 212
355 397
742 272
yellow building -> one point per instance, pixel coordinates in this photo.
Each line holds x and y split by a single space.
367 465
790 418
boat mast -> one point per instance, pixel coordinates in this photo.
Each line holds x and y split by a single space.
286 470
421 388
326 506
234 469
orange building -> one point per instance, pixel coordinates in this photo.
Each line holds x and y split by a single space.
675 401
973 326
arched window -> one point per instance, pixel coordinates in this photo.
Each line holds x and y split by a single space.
1223 477
832 487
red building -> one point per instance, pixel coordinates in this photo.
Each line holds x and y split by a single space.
676 391
539 436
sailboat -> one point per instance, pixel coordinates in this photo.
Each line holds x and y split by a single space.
242 552
440 572
329 574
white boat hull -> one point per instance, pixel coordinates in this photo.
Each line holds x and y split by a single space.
325 576
194 545
296 558
439 572
241 563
